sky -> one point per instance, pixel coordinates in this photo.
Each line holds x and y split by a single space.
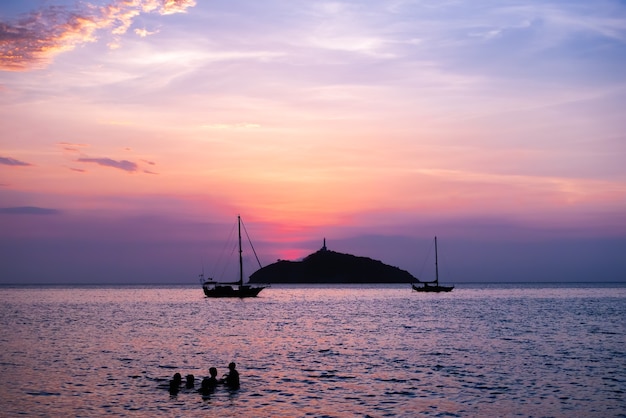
133 132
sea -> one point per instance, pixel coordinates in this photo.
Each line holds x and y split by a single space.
482 350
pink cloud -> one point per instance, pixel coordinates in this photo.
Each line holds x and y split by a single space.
70 147
70 144
33 40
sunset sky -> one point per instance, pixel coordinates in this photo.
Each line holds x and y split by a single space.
133 132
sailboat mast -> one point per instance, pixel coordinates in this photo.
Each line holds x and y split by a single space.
240 251
436 264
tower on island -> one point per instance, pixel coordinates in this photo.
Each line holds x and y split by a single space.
324 246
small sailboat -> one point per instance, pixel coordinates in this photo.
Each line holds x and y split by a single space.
214 289
434 285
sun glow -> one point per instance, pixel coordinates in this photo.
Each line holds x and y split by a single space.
312 119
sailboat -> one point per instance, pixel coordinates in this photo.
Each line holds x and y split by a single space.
214 289
434 285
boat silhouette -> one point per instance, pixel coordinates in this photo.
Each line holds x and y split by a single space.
432 286
237 289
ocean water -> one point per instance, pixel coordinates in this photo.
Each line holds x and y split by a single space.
481 350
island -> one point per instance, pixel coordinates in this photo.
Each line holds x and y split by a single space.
327 267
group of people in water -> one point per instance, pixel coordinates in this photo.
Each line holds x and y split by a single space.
208 385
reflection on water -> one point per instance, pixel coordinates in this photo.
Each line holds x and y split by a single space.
316 350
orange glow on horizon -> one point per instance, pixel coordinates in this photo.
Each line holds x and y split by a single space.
291 254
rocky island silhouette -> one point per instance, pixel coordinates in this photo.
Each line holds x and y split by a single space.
326 266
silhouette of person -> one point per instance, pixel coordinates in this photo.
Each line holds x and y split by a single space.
213 378
209 384
205 387
173 388
232 378
175 384
190 381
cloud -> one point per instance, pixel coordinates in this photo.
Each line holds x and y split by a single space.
144 32
168 7
243 125
70 147
13 162
108 162
70 144
33 40
28 210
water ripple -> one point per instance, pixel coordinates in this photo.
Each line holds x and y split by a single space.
317 351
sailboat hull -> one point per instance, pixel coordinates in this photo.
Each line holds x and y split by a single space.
217 291
432 288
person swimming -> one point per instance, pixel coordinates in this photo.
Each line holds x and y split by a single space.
209 384
231 380
213 377
175 383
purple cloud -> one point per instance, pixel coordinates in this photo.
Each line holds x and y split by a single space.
28 210
13 162
107 162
